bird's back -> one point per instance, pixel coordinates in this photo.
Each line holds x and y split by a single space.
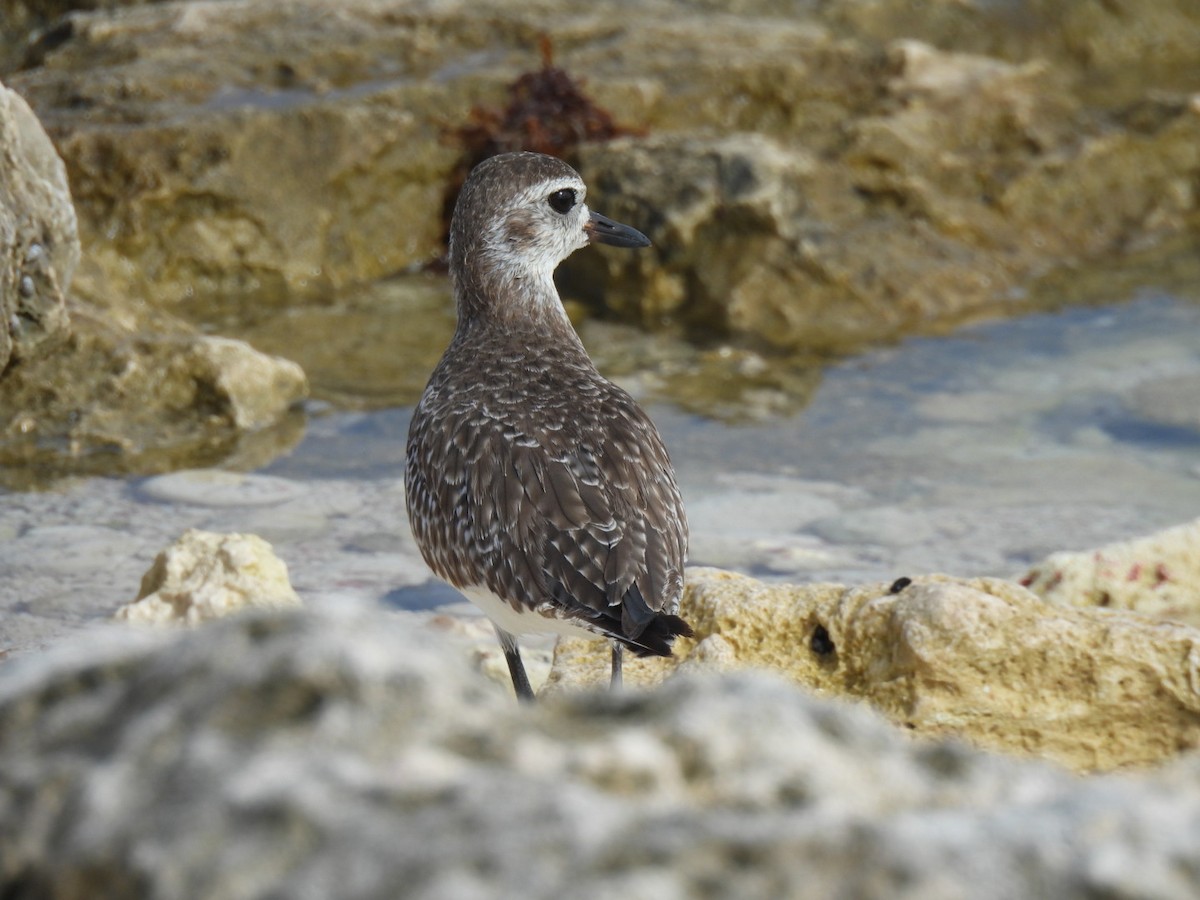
532 476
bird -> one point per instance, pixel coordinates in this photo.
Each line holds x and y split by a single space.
535 486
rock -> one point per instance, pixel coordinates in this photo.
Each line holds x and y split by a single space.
145 393
342 753
863 186
971 178
116 376
982 659
356 172
205 576
1157 575
39 240
1127 188
250 390
720 211
1092 43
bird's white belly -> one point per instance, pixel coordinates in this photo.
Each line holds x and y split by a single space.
504 616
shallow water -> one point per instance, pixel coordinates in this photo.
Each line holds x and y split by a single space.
976 453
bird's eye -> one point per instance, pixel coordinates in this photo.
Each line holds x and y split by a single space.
562 201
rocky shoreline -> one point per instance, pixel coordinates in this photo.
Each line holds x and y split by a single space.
809 735
814 184
344 751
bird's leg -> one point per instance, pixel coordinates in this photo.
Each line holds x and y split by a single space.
516 668
617 651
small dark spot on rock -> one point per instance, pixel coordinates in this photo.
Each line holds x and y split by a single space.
821 643
1105 599
899 584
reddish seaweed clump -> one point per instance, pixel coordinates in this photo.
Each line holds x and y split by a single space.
547 112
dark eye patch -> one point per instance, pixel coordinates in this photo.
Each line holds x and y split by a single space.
562 201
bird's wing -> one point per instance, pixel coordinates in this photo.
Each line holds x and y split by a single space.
591 521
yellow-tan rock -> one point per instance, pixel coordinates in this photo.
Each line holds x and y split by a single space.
205 576
981 659
1157 575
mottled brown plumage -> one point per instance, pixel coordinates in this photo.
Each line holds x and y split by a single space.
534 485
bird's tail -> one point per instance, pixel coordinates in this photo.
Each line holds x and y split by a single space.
657 637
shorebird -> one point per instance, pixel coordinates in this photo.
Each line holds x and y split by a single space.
535 486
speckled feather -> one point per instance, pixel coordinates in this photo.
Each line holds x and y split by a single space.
528 472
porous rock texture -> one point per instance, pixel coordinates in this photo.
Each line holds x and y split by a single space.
1157 575
982 659
205 576
814 176
345 754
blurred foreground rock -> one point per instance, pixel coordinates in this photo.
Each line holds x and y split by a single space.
981 659
205 576
343 754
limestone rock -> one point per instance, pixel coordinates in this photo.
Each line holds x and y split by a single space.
120 377
754 235
39 240
145 393
205 576
862 186
254 390
343 753
983 659
1157 575
969 178
1092 43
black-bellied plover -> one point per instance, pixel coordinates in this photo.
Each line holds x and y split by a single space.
535 486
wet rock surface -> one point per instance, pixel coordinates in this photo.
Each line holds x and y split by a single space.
343 752
144 396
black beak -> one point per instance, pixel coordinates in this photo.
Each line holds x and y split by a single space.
604 230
